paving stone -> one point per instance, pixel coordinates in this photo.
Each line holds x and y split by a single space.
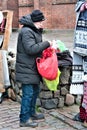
74 124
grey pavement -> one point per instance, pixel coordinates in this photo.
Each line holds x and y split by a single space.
55 119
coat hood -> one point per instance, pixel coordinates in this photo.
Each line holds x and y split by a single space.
26 21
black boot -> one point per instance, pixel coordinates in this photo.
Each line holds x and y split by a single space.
29 123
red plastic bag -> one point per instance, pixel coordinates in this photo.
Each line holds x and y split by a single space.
48 65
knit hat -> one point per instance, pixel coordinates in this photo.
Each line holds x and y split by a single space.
37 16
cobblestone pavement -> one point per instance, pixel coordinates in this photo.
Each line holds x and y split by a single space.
55 119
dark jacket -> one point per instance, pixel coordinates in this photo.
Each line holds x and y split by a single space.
29 47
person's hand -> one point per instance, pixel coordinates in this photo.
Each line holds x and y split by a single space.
51 43
83 7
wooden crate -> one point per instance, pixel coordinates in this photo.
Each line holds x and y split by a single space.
8 28
2 89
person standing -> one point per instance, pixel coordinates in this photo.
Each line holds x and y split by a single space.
80 55
29 47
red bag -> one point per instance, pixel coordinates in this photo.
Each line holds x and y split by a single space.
48 65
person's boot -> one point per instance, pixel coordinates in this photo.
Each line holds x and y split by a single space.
29 123
37 117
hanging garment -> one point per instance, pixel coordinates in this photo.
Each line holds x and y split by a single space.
80 39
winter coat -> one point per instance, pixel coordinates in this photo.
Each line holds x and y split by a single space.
29 47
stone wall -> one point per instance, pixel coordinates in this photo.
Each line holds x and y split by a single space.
47 99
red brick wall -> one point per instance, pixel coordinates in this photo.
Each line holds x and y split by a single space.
60 14
11 5
0 5
63 16
46 7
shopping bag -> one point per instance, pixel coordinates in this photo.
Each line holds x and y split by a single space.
52 84
61 46
47 65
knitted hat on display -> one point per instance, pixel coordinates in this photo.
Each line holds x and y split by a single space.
37 16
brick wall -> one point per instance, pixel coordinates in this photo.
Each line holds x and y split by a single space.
25 7
63 16
60 14
11 5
